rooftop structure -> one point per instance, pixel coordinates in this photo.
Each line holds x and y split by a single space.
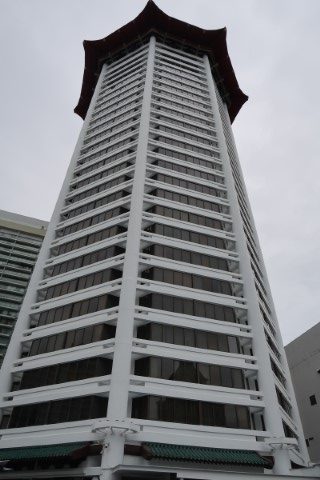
150 21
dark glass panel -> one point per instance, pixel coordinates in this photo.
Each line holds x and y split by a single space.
58 411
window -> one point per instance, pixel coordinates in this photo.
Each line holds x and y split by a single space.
85 260
188 158
189 337
283 401
188 280
80 283
188 171
97 189
72 338
188 200
187 185
188 307
192 412
58 411
313 400
90 239
94 204
288 431
188 236
278 373
65 372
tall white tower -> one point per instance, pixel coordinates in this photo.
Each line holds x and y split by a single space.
147 345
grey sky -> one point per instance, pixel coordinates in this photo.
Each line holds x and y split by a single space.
273 46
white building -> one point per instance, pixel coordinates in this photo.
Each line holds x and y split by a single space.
20 241
303 356
148 345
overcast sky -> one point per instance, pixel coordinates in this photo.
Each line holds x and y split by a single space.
274 48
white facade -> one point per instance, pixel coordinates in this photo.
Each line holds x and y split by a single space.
157 130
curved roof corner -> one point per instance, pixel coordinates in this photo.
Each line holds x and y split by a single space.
152 19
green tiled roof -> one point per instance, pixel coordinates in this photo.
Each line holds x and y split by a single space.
206 455
43 451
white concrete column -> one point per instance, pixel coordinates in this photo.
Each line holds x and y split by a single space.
121 369
289 386
106 475
273 419
23 322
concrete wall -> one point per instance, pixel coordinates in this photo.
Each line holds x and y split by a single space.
304 362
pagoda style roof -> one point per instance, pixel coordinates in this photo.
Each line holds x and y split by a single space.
153 20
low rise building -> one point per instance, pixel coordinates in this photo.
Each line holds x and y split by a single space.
303 355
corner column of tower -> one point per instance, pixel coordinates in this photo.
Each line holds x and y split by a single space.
14 349
295 416
122 359
272 415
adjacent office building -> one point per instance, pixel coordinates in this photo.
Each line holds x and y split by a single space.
20 241
303 356
147 345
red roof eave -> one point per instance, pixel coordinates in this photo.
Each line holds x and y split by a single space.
213 42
